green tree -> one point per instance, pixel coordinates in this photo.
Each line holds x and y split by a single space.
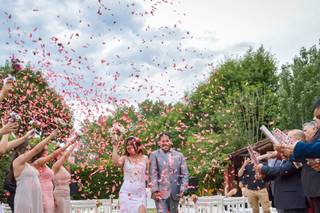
299 88
35 101
224 102
32 99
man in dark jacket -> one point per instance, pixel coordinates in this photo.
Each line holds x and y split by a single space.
311 178
288 193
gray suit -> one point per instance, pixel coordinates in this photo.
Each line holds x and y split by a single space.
169 175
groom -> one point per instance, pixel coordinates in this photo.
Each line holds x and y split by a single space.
169 176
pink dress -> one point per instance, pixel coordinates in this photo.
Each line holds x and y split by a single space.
45 177
28 198
61 191
133 192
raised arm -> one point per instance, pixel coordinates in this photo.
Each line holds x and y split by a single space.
8 128
241 170
57 165
285 169
116 159
268 155
303 150
13 144
43 160
24 158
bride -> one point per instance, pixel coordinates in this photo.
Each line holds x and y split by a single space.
135 166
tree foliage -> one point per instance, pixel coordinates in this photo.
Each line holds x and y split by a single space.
299 88
33 100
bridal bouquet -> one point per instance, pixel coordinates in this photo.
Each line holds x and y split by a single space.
116 131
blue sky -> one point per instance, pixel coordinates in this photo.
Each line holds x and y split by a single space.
133 50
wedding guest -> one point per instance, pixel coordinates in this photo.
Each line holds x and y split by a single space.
46 175
256 190
311 178
301 150
6 146
273 161
233 191
28 196
61 180
288 193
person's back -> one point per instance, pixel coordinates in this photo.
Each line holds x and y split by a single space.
310 179
288 192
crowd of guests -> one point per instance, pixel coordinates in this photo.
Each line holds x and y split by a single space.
31 185
35 187
287 178
291 175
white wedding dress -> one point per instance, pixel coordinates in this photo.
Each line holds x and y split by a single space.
133 190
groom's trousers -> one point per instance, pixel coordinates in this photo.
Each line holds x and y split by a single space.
165 205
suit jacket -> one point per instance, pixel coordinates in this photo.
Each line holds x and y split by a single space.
307 149
304 150
169 173
309 177
288 192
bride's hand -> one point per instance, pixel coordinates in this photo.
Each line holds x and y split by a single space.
114 140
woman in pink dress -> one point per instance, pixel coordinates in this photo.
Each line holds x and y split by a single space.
133 195
61 180
28 197
46 176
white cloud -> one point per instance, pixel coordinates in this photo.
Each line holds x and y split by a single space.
115 54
